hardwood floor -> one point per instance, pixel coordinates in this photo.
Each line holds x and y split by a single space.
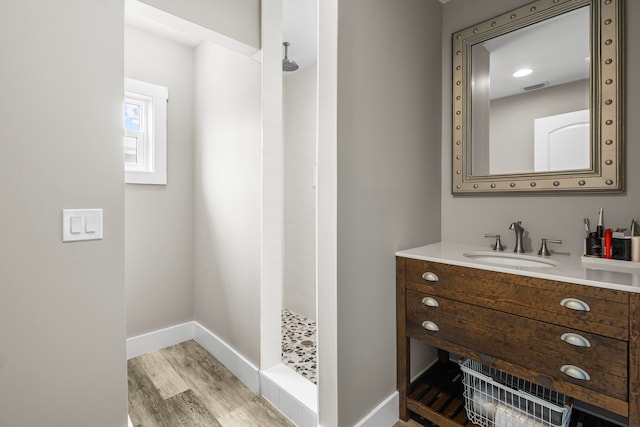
185 386
413 423
410 423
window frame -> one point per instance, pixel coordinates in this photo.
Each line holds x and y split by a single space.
145 108
151 167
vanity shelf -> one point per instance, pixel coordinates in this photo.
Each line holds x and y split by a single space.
582 341
438 395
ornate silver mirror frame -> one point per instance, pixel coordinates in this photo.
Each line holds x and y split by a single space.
606 173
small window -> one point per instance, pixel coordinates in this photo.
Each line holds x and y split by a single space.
145 132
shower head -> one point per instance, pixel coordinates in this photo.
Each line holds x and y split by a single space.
287 64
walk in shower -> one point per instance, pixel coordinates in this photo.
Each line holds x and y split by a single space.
299 350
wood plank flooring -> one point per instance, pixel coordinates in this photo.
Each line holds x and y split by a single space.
410 423
184 386
413 423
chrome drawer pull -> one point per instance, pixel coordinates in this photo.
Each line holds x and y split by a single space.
575 304
430 326
430 277
575 372
575 339
430 302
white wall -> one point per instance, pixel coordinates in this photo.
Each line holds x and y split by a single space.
327 220
227 197
388 187
159 218
62 311
272 187
300 109
466 219
237 19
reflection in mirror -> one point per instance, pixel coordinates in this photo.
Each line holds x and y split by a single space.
530 97
537 100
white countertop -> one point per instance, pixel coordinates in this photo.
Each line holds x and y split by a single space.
610 274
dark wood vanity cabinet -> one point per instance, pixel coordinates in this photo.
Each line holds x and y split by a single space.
529 327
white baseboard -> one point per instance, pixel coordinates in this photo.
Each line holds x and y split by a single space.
232 360
383 415
293 395
387 413
423 370
156 340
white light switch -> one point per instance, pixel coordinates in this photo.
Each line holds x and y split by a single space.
90 224
76 224
81 224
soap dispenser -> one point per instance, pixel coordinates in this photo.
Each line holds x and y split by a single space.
635 241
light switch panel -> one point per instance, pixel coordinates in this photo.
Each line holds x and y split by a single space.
81 224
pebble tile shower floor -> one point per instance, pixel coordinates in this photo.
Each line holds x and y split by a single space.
299 351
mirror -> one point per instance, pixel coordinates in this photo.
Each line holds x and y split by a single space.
537 99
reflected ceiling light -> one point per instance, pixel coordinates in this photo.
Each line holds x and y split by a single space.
523 72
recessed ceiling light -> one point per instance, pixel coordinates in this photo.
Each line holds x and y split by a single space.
523 72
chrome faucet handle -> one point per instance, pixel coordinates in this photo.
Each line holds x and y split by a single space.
517 227
544 250
497 246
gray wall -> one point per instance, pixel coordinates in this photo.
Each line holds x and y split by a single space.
465 219
227 197
159 218
388 142
237 19
512 126
62 311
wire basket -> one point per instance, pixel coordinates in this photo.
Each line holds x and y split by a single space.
496 399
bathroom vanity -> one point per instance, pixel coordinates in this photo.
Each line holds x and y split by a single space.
566 325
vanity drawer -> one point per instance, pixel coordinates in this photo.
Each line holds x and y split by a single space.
530 343
529 297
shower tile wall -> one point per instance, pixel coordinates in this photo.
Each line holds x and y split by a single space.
300 102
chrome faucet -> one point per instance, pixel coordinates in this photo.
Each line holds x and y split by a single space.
497 246
517 227
544 250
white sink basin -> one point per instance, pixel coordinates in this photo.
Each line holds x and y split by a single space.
511 259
